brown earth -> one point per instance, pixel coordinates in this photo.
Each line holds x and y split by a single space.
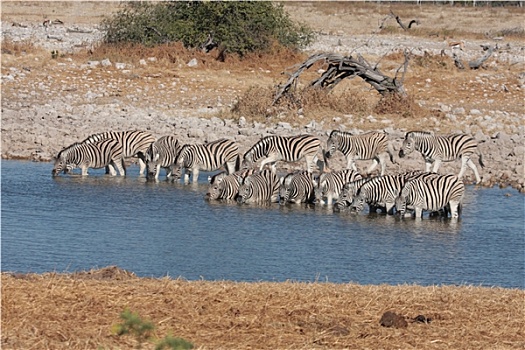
79 311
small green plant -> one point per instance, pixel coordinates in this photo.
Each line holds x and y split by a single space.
142 330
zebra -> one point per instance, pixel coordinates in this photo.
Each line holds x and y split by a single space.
259 187
224 186
134 144
382 191
330 185
90 155
432 193
208 157
372 145
296 188
348 192
437 149
286 148
162 154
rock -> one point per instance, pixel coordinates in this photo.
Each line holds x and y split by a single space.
391 319
475 112
119 65
193 63
105 62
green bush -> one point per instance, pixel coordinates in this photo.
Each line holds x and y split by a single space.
238 27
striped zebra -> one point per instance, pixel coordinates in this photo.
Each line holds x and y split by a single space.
162 154
224 186
134 143
208 157
348 192
90 155
286 148
437 149
331 184
382 191
432 193
296 188
260 187
372 145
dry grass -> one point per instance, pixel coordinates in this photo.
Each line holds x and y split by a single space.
78 311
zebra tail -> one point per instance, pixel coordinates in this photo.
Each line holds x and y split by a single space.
238 163
390 151
481 160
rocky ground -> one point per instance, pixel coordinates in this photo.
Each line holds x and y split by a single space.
50 103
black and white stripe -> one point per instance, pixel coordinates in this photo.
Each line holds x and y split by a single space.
208 157
286 148
432 193
331 184
437 149
379 192
134 143
162 154
96 155
349 191
372 145
226 187
260 187
296 188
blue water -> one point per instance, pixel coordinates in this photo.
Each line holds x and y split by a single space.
70 223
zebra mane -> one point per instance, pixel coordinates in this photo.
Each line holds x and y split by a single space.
420 134
339 133
70 147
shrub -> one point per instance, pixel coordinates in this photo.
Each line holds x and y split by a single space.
238 27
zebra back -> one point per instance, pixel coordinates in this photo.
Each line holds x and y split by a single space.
209 156
133 142
259 187
362 147
286 148
296 188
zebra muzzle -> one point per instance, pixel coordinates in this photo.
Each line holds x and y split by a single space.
401 153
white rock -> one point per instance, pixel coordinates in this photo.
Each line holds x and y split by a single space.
193 62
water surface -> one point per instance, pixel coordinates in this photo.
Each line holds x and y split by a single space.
70 223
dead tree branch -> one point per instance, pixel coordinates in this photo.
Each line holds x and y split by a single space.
341 67
479 62
398 20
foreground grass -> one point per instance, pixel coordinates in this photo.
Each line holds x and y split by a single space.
78 311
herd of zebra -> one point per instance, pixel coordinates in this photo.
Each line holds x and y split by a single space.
243 182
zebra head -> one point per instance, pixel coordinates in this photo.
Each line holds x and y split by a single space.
284 190
411 140
152 160
320 189
245 191
216 187
332 145
358 203
401 205
62 164
346 197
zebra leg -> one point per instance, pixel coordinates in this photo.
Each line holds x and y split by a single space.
371 168
454 214
231 166
195 175
472 166
419 212
187 175
142 164
428 165
118 165
437 164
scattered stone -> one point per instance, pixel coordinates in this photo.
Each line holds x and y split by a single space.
391 319
193 63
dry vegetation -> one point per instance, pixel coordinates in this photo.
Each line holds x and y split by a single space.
79 311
